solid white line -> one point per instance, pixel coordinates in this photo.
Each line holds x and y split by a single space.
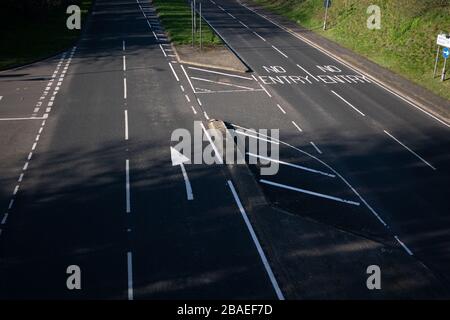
216 152
315 147
17 119
174 73
320 195
127 185
420 158
257 34
348 103
124 88
221 73
264 260
189 194
297 126
281 52
187 77
404 246
292 165
126 124
226 91
306 71
222 83
130 275
256 137
282 110
124 64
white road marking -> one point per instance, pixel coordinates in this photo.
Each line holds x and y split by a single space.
320 195
297 126
308 73
193 109
199 102
292 165
187 98
130 275
20 177
404 246
244 24
281 52
126 124
256 137
206 115
174 73
282 110
231 15
348 103
182 88
124 64
407 148
216 152
16 189
124 88
5 217
123 45
222 83
34 146
257 34
165 54
187 77
315 147
267 92
18 119
264 260
127 185
221 73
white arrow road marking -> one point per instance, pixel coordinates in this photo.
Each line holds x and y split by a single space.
321 195
178 160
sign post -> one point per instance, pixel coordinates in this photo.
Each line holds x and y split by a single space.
326 4
446 54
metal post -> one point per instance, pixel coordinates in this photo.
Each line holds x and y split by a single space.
436 62
326 16
200 24
195 17
443 70
192 23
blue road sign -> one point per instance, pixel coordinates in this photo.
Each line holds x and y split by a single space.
446 53
327 3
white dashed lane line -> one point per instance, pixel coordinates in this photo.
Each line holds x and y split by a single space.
41 128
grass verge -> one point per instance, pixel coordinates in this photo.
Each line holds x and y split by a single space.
27 38
175 16
406 43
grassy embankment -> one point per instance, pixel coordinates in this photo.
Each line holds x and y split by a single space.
175 16
31 33
406 43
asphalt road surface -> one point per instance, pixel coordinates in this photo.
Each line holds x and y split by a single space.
87 177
